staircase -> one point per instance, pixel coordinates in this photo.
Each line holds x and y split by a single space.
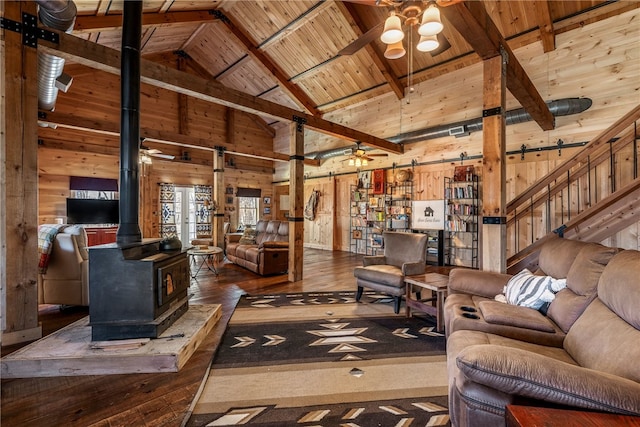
590 197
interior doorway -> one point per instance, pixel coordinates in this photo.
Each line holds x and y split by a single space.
185 214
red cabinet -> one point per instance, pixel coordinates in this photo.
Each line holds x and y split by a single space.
101 235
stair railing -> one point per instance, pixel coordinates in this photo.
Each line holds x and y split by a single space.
606 163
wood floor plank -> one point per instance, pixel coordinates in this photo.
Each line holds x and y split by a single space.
161 399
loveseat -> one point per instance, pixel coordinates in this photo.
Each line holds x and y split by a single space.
65 280
267 253
581 353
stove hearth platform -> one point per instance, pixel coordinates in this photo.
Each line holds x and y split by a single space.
70 351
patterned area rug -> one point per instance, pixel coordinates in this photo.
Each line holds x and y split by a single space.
321 359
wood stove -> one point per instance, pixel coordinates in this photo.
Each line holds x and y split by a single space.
136 290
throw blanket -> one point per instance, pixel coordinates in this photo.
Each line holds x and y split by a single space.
46 235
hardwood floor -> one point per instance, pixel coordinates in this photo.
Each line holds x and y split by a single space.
156 399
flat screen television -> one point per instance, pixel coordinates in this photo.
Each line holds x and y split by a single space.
92 211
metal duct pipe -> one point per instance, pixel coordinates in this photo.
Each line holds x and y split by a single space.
61 15
128 229
562 107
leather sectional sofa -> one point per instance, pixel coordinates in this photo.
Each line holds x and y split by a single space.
581 354
270 252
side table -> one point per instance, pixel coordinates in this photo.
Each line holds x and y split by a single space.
209 257
519 416
436 283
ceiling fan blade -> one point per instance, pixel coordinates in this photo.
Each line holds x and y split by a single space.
378 155
444 45
362 41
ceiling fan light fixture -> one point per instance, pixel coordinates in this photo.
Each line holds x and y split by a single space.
428 43
431 23
351 162
395 51
358 162
145 160
365 162
392 30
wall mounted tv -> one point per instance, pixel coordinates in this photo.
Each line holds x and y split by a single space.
92 211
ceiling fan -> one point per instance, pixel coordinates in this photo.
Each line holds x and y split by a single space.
359 157
147 153
424 16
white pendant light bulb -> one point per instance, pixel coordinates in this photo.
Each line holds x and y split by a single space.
431 23
392 30
428 43
395 51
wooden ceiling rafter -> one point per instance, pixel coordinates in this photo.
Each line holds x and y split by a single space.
545 22
471 20
107 59
293 90
164 137
350 12
99 23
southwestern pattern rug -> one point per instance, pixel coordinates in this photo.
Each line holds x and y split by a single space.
322 359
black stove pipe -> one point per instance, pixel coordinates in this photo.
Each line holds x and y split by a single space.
129 229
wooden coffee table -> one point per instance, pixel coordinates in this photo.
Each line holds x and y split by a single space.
436 283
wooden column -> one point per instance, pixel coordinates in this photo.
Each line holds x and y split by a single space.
296 200
19 181
217 217
183 100
494 227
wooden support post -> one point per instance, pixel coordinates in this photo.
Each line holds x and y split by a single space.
183 103
494 224
296 200
19 181
217 217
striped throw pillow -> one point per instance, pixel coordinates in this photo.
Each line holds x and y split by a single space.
528 290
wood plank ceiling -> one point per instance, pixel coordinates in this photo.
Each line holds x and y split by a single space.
288 52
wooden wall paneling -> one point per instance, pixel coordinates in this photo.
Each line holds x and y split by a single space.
19 177
53 190
217 216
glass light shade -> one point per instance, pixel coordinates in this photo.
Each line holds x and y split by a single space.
428 43
431 24
365 162
358 163
395 51
392 30
351 162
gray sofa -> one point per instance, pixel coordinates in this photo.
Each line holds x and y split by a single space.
582 354
269 254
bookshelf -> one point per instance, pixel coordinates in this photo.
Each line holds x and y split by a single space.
461 220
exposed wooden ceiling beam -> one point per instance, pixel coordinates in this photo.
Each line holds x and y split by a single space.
108 60
472 21
547 35
85 24
271 67
164 137
349 11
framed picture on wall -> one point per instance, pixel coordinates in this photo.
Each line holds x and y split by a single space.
266 200
229 200
267 211
229 190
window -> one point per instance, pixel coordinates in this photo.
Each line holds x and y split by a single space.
248 211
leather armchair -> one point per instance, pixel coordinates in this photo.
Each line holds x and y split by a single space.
66 280
404 255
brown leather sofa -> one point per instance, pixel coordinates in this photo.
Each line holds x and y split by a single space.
585 358
270 253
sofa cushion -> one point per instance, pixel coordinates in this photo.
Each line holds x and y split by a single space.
526 373
251 254
557 256
619 287
582 281
248 237
528 290
522 317
385 274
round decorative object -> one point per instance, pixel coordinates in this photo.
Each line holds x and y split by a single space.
403 175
